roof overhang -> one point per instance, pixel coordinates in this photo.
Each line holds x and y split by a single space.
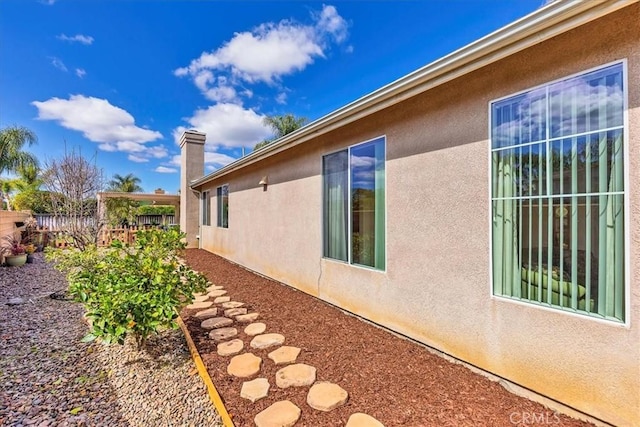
549 21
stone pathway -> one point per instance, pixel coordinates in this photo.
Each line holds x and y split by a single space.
322 396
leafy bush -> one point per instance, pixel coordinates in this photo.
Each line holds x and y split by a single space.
130 289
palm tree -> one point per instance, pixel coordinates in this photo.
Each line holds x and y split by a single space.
12 156
126 184
281 126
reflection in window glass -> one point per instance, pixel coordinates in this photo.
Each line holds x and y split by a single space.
558 199
205 204
223 206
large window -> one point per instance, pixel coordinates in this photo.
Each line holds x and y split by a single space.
205 203
354 204
223 206
558 194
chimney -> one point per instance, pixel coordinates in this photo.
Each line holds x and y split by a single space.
191 168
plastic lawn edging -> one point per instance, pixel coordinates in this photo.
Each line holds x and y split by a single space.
214 396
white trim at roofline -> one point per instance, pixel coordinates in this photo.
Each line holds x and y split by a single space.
549 21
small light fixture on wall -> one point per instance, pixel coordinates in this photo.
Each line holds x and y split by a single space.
264 181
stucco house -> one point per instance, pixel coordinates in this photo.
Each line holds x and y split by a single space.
485 205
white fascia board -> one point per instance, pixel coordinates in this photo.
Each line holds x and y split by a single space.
549 21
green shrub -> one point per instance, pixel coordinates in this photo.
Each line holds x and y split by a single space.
130 289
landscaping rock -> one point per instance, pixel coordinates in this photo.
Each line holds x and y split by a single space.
214 288
232 304
200 305
223 334
15 301
247 318
235 312
217 293
200 298
280 414
255 390
285 354
255 329
206 314
298 375
216 322
244 365
267 340
221 299
363 420
230 348
326 396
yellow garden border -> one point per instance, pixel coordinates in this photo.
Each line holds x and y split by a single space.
214 396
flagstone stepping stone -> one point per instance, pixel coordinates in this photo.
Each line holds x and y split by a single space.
232 304
221 299
223 334
235 312
280 414
197 294
285 354
325 396
244 365
363 420
247 318
255 390
230 348
267 340
200 298
205 314
199 305
216 322
298 375
214 288
255 329
217 293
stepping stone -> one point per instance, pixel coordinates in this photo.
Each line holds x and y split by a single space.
205 314
280 414
235 312
223 334
199 305
244 365
230 348
326 396
298 375
200 298
221 299
216 322
363 420
232 304
255 329
247 318
267 340
214 288
197 294
255 390
217 293
284 354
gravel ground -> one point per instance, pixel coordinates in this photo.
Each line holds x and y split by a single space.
49 378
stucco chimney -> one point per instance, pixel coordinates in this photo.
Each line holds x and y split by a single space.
191 168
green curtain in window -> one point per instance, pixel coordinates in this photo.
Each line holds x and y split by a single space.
379 219
335 205
506 270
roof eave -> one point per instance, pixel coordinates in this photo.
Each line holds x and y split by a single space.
547 22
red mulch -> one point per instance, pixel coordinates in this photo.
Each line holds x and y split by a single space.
390 378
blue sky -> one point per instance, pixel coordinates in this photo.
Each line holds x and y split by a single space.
122 79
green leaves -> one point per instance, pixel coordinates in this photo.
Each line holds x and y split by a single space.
130 289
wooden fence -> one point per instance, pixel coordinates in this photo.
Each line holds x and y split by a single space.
55 223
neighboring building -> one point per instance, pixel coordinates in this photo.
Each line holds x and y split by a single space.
485 205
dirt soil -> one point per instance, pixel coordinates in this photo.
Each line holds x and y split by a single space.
395 380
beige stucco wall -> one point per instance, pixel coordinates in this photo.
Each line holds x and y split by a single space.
437 287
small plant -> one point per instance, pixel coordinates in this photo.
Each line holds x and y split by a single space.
13 246
29 249
130 289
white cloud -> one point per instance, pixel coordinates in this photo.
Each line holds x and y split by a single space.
78 38
137 159
48 2
227 125
217 159
281 98
163 169
99 121
57 62
265 54
80 72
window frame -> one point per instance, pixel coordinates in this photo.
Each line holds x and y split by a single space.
349 260
220 219
558 309
205 208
